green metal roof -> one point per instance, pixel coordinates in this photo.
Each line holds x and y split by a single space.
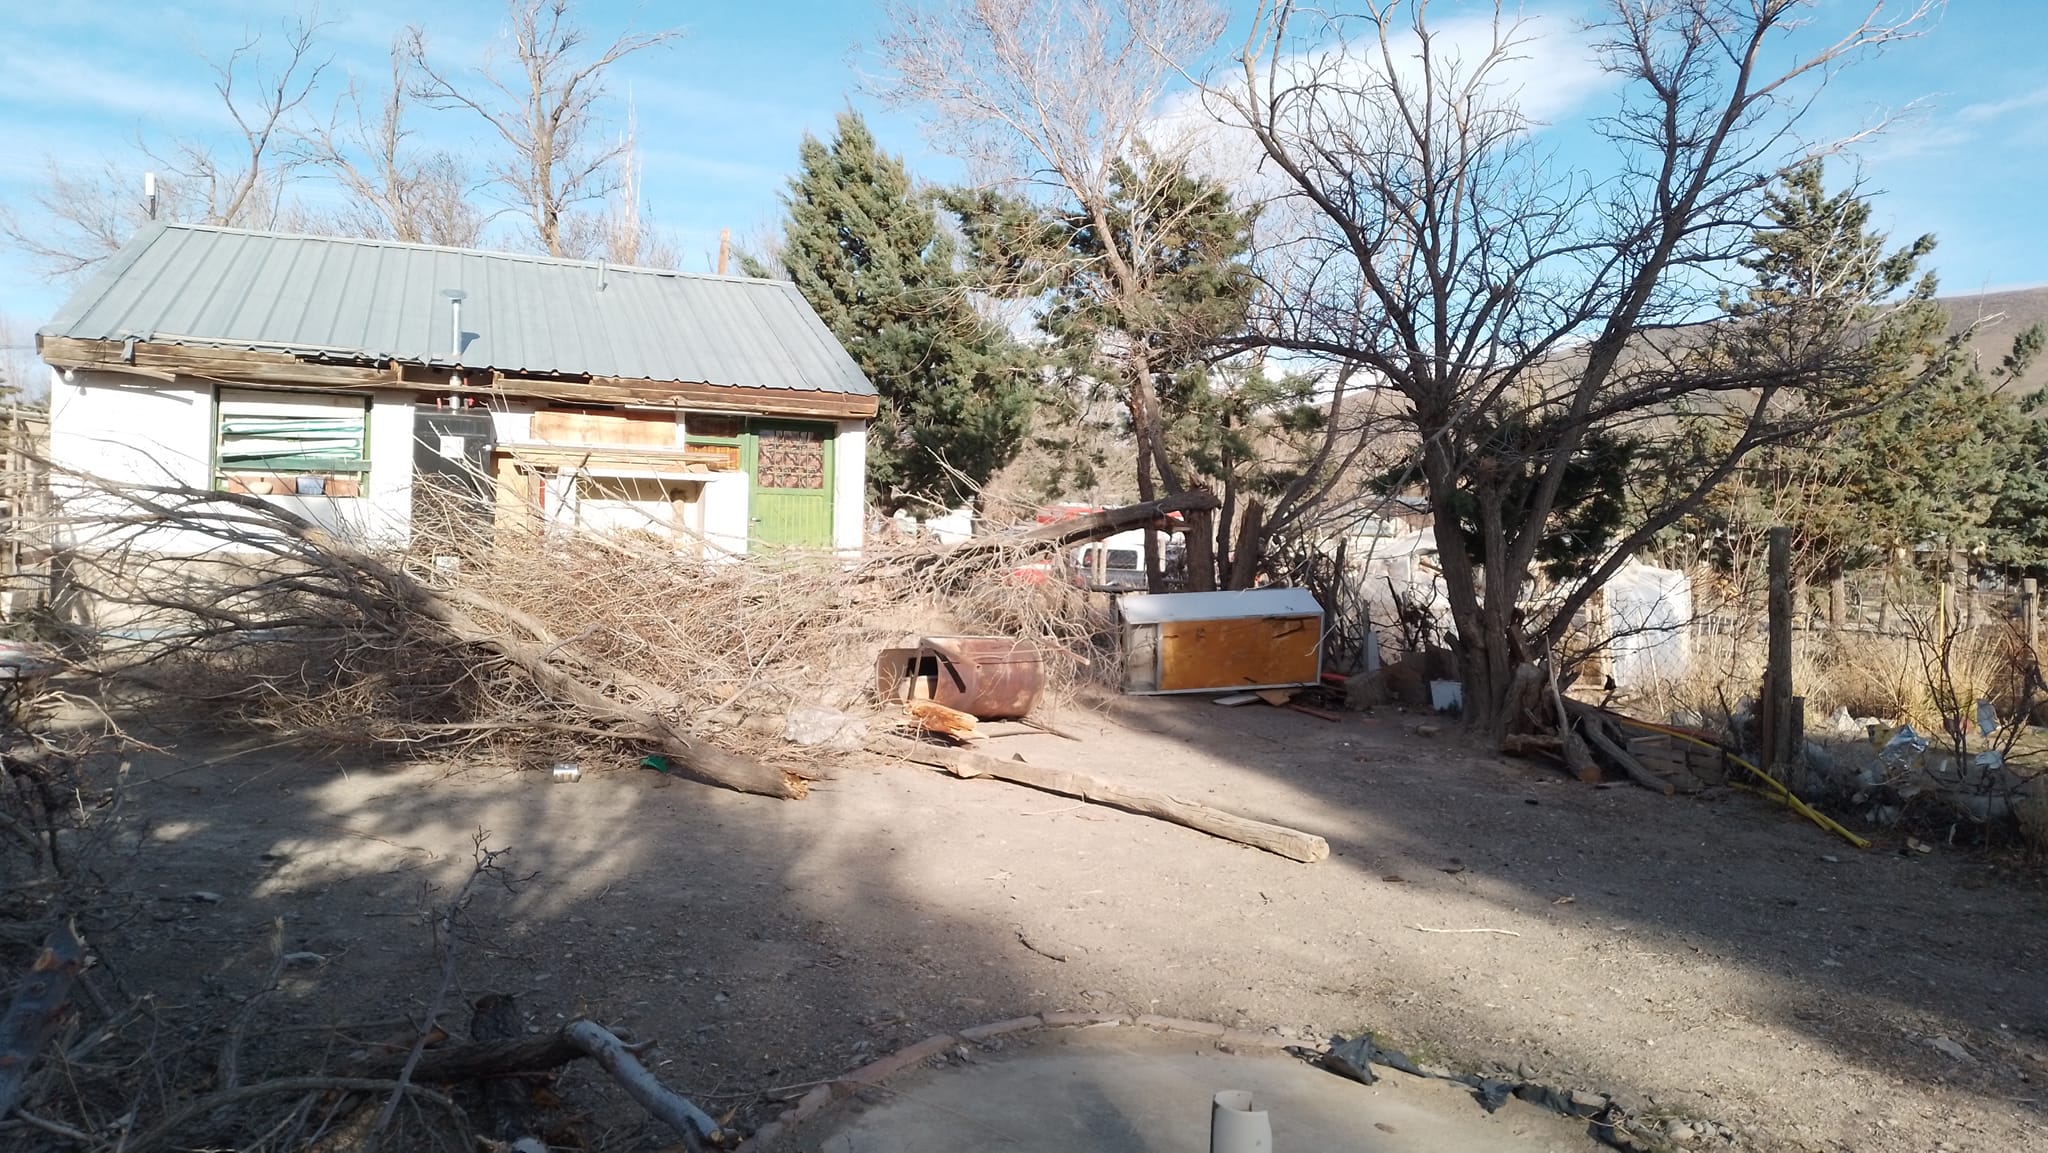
346 299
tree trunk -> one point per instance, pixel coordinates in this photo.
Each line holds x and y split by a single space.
1251 547
1226 517
1155 579
1201 552
1479 631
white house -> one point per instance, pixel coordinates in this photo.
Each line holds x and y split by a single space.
366 382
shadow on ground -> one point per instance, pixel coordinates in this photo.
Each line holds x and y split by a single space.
1709 958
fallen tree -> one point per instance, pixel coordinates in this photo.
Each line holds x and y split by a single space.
1109 522
536 640
278 579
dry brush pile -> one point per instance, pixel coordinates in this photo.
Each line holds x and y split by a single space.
529 643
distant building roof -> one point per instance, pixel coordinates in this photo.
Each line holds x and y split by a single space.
343 299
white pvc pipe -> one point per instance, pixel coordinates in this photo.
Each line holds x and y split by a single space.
1235 1128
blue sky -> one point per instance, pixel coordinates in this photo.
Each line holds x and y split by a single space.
720 113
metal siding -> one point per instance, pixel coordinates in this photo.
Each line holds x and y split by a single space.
533 315
1158 608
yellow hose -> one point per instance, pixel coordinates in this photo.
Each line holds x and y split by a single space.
1772 789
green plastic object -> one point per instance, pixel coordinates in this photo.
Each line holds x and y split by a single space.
655 761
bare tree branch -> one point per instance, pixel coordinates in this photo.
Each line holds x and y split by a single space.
1514 306
542 103
394 189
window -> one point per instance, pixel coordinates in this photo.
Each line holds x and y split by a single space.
303 443
719 434
791 458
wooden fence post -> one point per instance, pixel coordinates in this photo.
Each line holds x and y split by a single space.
1775 710
1838 603
2030 614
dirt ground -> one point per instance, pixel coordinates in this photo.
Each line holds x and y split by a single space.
1705 958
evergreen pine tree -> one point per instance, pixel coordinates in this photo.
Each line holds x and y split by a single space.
864 246
1902 452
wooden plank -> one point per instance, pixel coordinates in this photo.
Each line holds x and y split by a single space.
637 429
1596 732
515 495
1293 844
242 365
270 367
1229 653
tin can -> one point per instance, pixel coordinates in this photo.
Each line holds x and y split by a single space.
567 774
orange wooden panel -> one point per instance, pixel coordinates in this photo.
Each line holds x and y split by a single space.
1233 653
638 429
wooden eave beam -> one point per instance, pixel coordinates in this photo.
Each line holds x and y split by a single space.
233 365
261 367
672 394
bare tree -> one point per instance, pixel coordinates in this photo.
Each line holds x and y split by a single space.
83 219
630 235
22 376
1055 101
543 104
245 182
394 189
1523 313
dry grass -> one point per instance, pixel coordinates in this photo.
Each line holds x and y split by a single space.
1928 678
1895 679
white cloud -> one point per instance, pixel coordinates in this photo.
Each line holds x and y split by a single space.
70 81
1998 109
1549 75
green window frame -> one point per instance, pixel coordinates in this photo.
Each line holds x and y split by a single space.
269 440
734 442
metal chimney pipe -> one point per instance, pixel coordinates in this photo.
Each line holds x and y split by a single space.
455 298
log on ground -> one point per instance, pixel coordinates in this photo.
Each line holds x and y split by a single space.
494 1058
1601 730
1293 844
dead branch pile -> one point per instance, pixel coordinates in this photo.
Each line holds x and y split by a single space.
539 640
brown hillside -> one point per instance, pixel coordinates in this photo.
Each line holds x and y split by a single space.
2003 315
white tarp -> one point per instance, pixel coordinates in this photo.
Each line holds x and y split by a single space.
1649 614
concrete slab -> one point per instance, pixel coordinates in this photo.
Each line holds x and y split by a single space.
1125 1090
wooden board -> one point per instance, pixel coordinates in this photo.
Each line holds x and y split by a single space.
625 428
1232 653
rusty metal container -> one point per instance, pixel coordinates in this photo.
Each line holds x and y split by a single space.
994 678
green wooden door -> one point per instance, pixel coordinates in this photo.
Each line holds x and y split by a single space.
790 461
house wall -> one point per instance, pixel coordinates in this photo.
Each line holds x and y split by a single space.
850 487
138 430
726 512
131 430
